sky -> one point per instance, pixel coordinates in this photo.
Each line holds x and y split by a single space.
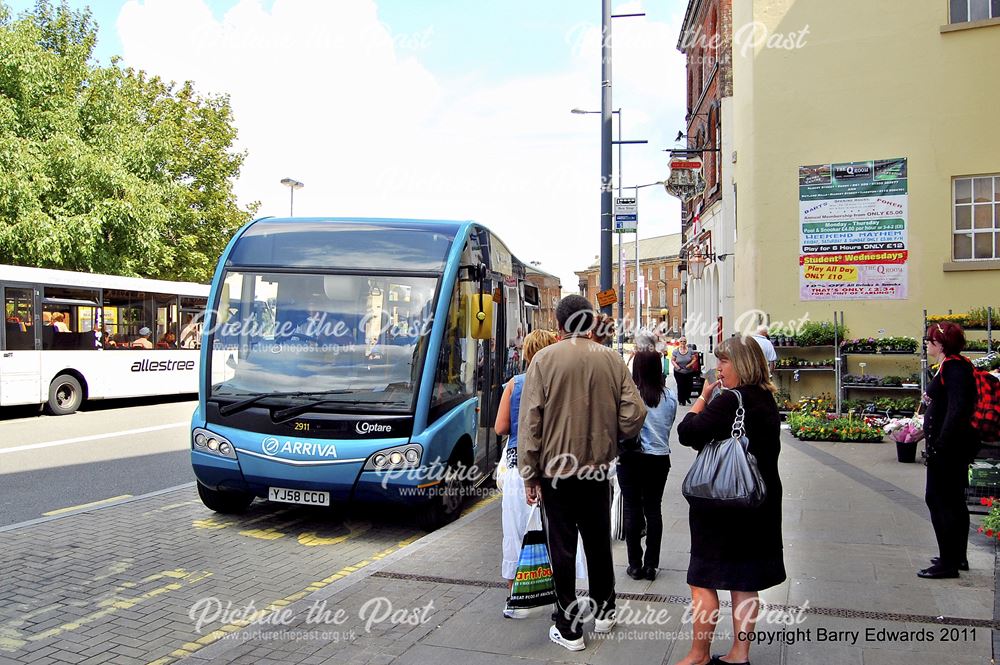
433 109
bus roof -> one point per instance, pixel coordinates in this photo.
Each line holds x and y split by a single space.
453 225
347 243
69 278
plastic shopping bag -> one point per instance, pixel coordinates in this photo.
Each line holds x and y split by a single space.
533 585
617 509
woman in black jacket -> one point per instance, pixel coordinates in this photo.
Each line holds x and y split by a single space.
737 549
952 443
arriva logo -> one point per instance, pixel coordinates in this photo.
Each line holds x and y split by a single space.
367 428
273 447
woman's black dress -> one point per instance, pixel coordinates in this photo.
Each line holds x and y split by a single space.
732 548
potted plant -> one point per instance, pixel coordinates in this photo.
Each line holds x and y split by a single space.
906 432
991 523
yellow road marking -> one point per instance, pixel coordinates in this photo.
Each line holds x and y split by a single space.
263 534
11 639
190 647
87 505
163 509
310 539
482 503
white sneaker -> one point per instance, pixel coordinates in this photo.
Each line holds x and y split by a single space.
516 612
572 645
607 624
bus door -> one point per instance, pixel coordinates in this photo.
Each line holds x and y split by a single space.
20 364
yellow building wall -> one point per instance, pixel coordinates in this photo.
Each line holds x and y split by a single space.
873 79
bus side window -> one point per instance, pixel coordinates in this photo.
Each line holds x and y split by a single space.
192 321
19 311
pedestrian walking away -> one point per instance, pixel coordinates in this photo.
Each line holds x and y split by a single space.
578 400
735 549
952 443
515 509
685 363
642 474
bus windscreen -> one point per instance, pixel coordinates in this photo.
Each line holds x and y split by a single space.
358 338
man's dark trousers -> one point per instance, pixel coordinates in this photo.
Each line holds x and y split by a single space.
576 505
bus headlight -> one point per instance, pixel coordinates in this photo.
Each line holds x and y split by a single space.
395 458
205 441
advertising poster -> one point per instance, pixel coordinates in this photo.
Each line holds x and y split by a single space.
852 228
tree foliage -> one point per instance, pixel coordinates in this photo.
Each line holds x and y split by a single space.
106 168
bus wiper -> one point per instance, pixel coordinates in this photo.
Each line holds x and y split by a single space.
292 411
235 407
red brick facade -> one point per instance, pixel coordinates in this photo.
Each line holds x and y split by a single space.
706 40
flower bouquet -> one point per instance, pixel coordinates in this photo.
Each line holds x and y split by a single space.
905 430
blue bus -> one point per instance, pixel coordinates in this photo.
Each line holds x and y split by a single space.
357 360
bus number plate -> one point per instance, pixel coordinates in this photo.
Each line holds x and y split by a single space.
305 497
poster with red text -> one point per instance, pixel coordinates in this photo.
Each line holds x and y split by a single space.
852 230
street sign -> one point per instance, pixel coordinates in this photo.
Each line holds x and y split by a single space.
626 218
605 298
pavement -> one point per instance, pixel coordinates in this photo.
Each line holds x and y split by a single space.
855 531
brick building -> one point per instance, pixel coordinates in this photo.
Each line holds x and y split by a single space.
549 293
709 219
660 266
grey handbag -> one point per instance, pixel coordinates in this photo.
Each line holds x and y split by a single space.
725 474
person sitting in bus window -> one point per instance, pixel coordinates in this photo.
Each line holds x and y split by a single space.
108 340
58 320
168 341
142 341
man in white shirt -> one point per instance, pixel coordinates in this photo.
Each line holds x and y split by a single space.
770 355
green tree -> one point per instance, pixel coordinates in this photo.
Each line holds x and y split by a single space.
108 169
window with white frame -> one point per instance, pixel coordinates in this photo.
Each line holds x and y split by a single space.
663 297
631 298
663 272
675 326
976 218
677 297
649 274
965 11
675 272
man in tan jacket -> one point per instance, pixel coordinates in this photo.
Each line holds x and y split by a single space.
578 401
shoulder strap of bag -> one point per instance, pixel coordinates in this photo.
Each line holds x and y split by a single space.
738 431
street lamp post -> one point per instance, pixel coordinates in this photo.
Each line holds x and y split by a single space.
292 185
621 267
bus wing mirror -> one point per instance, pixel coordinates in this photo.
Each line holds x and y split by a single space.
480 308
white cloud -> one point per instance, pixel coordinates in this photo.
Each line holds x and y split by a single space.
346 106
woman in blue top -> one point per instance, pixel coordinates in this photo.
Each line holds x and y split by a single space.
515 508
643 475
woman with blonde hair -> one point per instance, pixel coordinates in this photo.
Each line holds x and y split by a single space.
515 507
735 549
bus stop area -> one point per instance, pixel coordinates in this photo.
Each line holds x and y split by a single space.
160 579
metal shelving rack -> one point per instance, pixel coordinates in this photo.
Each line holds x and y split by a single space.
836 361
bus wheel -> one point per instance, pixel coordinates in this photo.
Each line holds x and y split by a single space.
225 502
446 504
65 395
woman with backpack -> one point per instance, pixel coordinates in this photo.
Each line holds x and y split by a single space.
952 443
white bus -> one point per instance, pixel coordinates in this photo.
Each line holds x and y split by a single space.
69 337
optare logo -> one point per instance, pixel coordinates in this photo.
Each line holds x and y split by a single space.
368 428
270 445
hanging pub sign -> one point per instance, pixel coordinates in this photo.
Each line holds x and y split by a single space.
685 180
